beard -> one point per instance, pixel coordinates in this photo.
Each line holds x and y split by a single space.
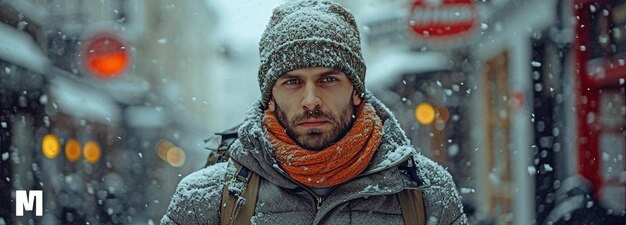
315 138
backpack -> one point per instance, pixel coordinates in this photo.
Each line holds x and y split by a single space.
241 188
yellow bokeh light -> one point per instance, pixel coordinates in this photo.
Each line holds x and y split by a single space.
162 147
92 152
72 150
425 113
176 157
50 146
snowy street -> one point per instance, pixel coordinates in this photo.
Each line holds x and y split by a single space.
105 106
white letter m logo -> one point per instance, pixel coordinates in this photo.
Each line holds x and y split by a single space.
25 201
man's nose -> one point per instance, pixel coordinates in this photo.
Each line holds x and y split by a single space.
311 98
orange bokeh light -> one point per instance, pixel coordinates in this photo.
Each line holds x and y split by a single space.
72 150
106 56
92 152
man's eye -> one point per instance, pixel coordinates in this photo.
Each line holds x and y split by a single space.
292 81
329 79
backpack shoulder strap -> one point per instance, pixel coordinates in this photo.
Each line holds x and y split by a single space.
219 144
411 200
408 167
239 196
412 206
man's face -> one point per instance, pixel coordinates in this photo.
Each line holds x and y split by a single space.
315 105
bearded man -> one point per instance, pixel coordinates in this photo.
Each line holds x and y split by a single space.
324 149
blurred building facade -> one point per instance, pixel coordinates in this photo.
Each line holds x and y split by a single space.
103 149
506 102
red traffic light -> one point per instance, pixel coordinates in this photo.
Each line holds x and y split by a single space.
106 56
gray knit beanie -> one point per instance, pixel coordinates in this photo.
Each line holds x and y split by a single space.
310 33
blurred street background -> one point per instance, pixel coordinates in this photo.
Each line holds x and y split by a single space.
105 105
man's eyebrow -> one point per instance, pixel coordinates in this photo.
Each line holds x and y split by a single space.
330 72
288 76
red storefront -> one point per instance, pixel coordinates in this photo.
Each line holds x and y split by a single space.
600 56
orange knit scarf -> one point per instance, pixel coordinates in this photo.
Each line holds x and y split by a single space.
335 164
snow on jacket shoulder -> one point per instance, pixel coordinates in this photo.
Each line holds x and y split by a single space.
441 200
197 197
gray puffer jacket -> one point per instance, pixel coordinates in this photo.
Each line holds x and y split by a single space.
370 198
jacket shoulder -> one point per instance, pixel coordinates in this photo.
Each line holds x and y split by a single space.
441 198
433 174
197 197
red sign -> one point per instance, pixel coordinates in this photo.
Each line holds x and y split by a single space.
106 56
442 18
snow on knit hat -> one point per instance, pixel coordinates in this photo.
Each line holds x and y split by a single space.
310 33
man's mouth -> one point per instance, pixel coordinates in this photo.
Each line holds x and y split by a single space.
313 123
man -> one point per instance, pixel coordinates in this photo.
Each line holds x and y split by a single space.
326 150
